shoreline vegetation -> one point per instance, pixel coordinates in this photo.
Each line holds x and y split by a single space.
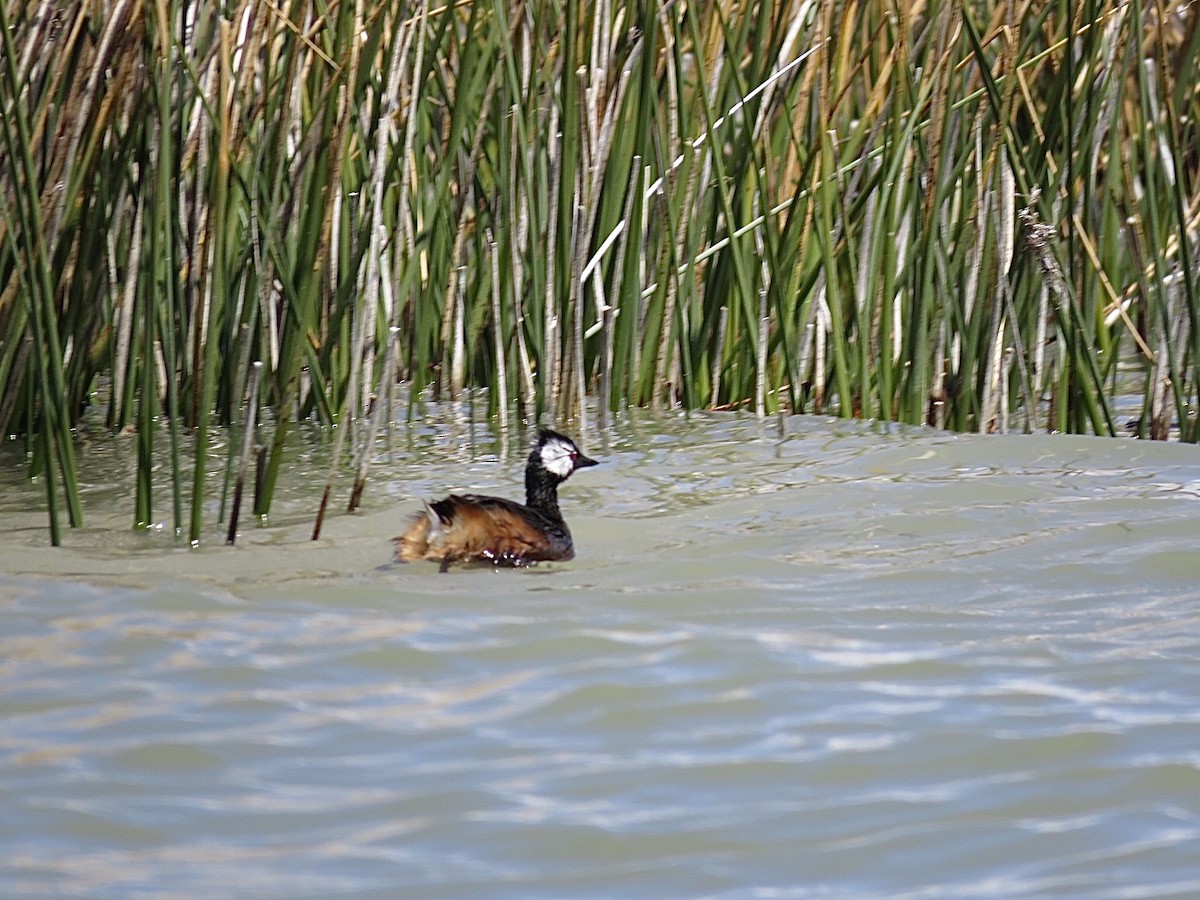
978 216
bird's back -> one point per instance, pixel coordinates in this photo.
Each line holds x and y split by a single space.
475 527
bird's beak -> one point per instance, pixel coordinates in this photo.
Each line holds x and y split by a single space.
582 462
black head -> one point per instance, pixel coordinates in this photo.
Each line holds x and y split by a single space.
557 454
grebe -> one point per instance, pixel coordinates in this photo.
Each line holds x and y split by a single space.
477 528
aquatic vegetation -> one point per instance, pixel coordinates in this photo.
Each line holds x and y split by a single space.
978 215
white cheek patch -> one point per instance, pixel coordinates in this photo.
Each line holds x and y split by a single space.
556 458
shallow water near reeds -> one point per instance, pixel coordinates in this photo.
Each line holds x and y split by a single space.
830 659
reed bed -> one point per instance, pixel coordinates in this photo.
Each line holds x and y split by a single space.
980 216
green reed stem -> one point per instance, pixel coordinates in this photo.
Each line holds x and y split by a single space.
785 206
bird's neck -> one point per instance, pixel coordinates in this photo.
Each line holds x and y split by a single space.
541 491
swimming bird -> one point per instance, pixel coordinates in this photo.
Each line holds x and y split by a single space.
478 528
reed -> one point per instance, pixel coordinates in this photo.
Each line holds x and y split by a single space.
980 216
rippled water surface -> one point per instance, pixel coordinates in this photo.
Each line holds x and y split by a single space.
841 661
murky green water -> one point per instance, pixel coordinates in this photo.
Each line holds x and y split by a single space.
849 661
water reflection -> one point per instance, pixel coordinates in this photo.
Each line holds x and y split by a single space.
848 660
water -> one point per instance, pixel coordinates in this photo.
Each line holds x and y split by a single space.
850 661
